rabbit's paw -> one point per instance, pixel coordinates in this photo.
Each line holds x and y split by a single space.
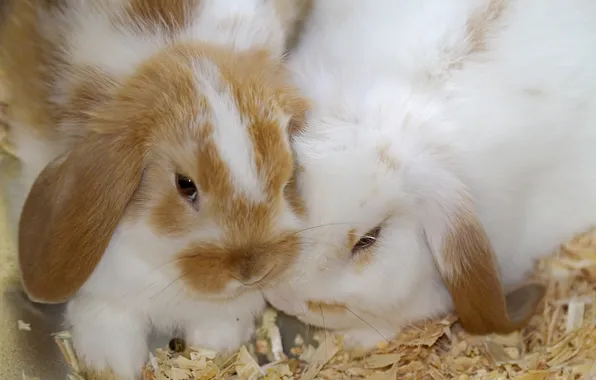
109 341
224 335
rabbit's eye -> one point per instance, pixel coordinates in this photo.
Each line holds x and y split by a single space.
186 187
367 240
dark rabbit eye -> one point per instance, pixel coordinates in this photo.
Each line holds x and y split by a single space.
186 187
367 240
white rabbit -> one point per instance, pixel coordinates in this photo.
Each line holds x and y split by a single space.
153 139
450 144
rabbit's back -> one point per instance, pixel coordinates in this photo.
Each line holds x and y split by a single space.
523 113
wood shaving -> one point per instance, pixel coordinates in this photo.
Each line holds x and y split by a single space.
327 349
23 326
25 377
63 340
246 367
274 335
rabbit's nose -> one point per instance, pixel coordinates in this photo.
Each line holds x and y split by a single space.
245 265
251 271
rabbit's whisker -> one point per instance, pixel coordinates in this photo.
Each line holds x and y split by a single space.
368 324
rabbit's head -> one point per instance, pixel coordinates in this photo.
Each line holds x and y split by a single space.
185 162
392 230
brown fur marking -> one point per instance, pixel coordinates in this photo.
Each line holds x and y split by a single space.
475 285
293 197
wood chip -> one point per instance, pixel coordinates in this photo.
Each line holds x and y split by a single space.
23 326
327 349
381 360
25 377
246 366
575 315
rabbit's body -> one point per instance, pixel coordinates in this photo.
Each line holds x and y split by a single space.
439 122
118 110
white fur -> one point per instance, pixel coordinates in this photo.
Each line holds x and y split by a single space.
231 136
242 24
513 127
136 286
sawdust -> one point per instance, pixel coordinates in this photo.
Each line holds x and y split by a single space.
559 343
23 326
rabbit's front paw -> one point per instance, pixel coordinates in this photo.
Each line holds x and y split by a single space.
109 341
224 335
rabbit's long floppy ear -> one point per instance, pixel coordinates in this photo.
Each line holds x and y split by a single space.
469 269
72 211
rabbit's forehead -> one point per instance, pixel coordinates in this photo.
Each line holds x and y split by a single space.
350 190
243 135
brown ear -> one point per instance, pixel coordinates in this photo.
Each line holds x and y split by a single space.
71 213
468 266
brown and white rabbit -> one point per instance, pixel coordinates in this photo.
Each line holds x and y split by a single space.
155 159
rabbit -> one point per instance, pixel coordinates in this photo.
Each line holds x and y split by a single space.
448 147
154 188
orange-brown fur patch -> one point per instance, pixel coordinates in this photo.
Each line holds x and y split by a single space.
293 197
171 216
325 307
94 88
475 285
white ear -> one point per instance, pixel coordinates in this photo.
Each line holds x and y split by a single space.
468 265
